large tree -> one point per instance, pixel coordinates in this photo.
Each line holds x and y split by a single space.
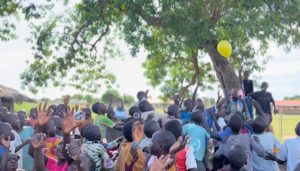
177 35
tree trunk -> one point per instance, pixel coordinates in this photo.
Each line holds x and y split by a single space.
224 71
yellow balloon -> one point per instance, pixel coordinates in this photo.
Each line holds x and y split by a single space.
224 48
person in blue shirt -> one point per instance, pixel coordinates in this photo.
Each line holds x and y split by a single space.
120 112
185 114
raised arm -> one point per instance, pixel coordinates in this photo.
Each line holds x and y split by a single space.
38 141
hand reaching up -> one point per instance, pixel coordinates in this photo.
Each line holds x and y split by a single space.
137 131
5 143
161 163
179 145
69 123
43 115
38 140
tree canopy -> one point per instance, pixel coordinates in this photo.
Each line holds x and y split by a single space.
180 36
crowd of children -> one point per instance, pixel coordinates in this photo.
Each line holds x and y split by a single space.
189 137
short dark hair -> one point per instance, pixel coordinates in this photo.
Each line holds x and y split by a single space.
237 156
92 133
197 117
166 138
88 112
175 127
188 103
235 123
297 129
99 108
145 106
173 110
140 95
259 125
127 131
150 128
133 110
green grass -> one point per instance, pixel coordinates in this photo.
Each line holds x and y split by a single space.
288 125
24 106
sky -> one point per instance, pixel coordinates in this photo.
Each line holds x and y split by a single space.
282 71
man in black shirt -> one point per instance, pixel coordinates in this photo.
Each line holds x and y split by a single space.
264 98
248 88
248 84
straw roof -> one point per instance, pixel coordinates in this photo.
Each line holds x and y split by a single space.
6 92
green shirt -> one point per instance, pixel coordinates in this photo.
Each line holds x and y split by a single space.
103 121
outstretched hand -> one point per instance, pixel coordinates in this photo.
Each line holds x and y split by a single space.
69 123
43 114
161 163
38 140
137 131
179 145
5 143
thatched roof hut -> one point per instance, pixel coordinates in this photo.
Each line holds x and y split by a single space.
8 96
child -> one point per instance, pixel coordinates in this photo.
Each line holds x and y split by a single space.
162 142
32 117
290 151
185 159
150 128
245 140
14 121
25 133
173 114
120 113
52 141
185 114
9 161
58 124
198 138
92 146
237 158
101 120
268 142
131 157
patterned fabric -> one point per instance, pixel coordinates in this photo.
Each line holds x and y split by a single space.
98 153
51 144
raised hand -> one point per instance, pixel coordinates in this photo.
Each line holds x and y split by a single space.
43 115
137 131
69 123
5 143
38 140
179 145
161 163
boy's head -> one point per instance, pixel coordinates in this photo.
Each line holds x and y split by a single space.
297 129
246 75
175 127
12 162
235 94
22 117
13 120
199 104
57 122
264 86
60 110
150 128
240 114
88 113
237 157
50 129
145 106
119 103
3 111
235 123
188 104
176 98
141 95
127 131
6 131
92 133
66 99
260 125
197 117
133 110
173 110
32 113
99 108
162 141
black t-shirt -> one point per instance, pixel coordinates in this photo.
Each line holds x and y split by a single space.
264 99
248 86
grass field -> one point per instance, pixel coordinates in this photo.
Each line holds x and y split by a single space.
288 125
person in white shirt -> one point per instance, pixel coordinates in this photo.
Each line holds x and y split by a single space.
290 151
